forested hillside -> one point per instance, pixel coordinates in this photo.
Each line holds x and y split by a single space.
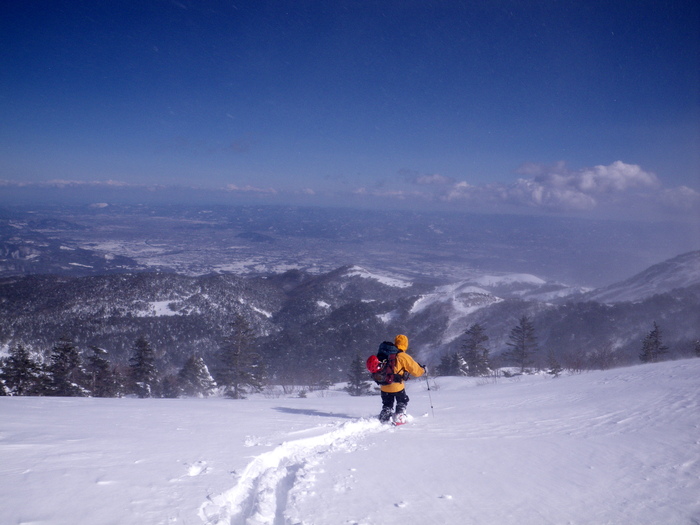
309 328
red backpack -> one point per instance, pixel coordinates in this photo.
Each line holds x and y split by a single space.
382 365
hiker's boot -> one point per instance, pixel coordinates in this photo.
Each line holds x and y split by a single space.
385 415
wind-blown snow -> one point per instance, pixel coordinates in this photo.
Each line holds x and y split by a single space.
619 446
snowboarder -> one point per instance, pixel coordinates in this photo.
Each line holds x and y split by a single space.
405 366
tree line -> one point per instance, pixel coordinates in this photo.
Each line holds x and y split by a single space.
239 370
523 352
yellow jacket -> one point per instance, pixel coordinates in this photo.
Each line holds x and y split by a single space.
404 363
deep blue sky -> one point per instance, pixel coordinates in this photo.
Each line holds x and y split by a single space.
585 107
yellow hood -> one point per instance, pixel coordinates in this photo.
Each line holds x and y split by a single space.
401 342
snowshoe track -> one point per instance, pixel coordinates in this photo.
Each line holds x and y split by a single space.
270 483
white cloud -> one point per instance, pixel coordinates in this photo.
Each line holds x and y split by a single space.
395 194
425 179
618 176
435 178
683 198
556 188
63 183
251 189
59 183
616 189
550 195
460 190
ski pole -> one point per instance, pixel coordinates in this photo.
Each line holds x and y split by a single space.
430 397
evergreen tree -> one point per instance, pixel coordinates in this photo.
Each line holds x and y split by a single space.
195 379
553 366
21 374
101 376
652 346
143 373
121 379
476 353
697 348
170 387
239 369
67 377
357 378
523 344
450 365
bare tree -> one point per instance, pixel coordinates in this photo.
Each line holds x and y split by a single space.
603 358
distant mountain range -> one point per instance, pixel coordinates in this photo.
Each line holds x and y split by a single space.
327 318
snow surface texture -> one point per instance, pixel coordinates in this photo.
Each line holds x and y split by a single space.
611 447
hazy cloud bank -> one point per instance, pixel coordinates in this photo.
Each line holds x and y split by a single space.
559 189
619 189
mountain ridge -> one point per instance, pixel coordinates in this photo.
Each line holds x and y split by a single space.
681 271
299 316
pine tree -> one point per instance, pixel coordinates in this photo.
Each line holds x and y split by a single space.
195 379
67 377
239 369
21 374
170 387
652 346
102 378
357 378
143 373
450 365
697 348
523 344
553 366
476 353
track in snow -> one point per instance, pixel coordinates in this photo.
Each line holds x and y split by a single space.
268 486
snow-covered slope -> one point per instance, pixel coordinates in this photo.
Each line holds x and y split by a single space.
454 303
396 282
679 272
619 446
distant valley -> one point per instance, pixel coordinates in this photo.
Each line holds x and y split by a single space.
259 240
318 287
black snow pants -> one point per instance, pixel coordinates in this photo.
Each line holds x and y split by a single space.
401 398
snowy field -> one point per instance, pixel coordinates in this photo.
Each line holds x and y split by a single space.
614 447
